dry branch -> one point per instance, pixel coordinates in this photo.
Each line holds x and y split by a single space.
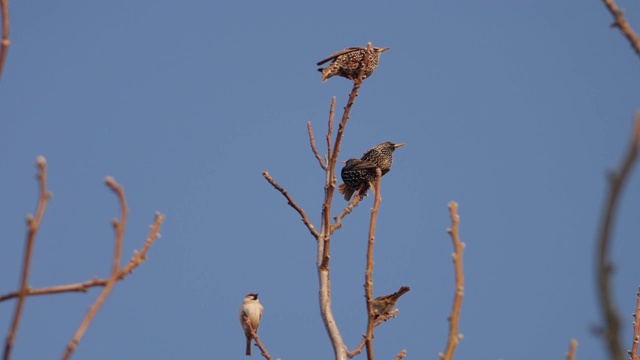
4 45
454 337
257 338
368 275
636 330
573 345
312 142
401 355
621 23
617 180
33 224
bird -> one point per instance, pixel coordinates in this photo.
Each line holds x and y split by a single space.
381 156
347 62
356 174
384 304
252 309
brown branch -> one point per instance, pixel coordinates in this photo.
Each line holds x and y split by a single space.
4 45
257 338
293 204
617 180
313 146
621 23
338 219
33 224
332 112
119 226
573 346
454 336
368 275
401 355
379 320
636 330
138 258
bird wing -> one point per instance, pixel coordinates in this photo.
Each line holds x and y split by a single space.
341 52
364 165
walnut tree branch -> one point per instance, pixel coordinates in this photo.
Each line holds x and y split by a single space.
454 336
33 224
617 180
621 23
293 204
368 275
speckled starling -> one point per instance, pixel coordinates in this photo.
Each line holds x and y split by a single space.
357 173
347 63
384 304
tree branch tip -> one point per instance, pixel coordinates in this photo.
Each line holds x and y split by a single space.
460 336
110 181
41 161
29 219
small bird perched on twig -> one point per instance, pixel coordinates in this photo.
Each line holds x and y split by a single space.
362 173
348 62
252 309
384 304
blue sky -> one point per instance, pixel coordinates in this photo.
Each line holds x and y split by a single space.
516 110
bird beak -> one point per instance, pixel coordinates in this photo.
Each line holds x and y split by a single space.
398 145
384 49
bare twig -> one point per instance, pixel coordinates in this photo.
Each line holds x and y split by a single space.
454 336
379 320
621 23
4 46
138 258
257 338
119 226
33 224
636 330
313 146
401 355
617 180
332 112
293 204
338 219
368 275
573 346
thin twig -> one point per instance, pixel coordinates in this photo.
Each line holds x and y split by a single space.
617 180
33 224
257 338
293 204
313 146
573 346
4 46
119 226
401 355
338 219
332 112
138 258
622 24
636 330
454 337
368 275
379 320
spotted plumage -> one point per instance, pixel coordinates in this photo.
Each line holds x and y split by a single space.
348 62
361 173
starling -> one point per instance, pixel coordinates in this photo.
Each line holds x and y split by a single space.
347 63
357 173
382 155
384 304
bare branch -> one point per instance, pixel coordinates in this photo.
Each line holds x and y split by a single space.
454 336
636 330
379 320
4 45
621 23
573 346
617 180
257 339
119 226
368 275
33 224
401 355
313 146
293 204
332 109
338 219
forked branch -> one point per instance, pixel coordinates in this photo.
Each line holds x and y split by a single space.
621 23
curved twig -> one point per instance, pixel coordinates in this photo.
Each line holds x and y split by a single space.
312 141
257 339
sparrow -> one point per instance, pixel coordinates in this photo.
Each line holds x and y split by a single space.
384 304
252 309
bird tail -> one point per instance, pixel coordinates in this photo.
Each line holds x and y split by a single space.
344 189
403 290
